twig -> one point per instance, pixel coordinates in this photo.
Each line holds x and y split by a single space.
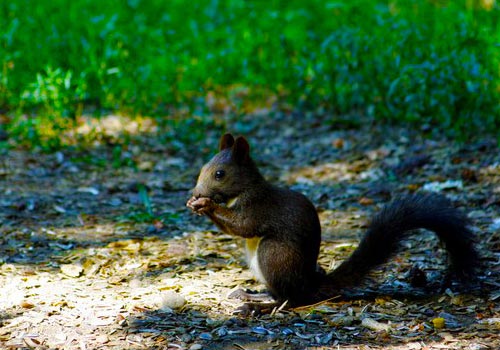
278 309
316 304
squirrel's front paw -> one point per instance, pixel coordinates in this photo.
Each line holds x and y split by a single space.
200 205
190 202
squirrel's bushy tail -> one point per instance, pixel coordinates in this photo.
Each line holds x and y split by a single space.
387 228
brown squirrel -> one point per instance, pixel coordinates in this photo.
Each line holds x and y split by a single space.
283 232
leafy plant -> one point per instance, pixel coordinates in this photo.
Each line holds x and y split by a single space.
420 61
54 100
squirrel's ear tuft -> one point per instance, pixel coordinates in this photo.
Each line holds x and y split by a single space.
226 141
241 150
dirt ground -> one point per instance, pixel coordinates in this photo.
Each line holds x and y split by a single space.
97 249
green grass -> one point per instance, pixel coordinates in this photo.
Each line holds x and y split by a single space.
422 61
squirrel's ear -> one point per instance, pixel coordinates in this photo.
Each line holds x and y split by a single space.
226 141
241 150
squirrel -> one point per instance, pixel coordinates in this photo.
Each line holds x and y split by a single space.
283 232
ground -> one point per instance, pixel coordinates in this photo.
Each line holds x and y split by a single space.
97 250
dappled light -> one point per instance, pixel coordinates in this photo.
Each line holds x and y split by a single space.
114 235
112 249
331 173
114 126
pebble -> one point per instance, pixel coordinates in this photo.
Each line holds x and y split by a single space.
172 300
196 347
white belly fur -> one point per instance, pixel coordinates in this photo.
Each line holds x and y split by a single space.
252 245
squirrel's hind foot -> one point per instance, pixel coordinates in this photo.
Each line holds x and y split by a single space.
248 295
256 309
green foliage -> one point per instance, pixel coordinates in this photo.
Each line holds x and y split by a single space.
421 61
120 158
144 196
146 214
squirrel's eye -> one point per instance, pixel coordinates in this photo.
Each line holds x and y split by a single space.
219 174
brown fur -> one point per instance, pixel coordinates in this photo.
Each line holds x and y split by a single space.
289 230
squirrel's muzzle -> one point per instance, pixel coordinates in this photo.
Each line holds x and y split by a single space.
200 191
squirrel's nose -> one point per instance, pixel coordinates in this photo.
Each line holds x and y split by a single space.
196 192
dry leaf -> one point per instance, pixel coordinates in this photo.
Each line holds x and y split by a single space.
375 325
438 322
27 305
72 270
365 201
